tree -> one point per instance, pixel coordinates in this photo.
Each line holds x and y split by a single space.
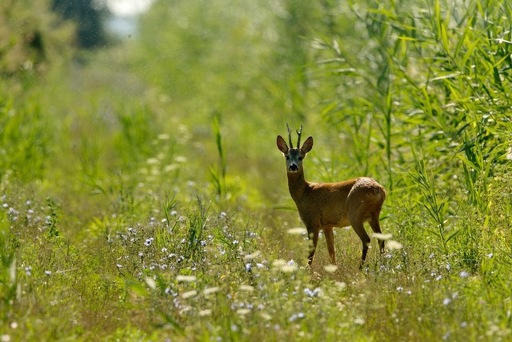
88 16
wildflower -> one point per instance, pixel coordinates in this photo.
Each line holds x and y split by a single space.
252 255
297 231
180 159
13 213
393 245
186 278
464 274
283 266
359 321
297 316
189 294
151 283
172 293
383 237
289 268
247 288
206 312
330 268
265 316
278 263
210 290
312 293
148 241
48 273
447 301
340 285
28 270
243 312
152 161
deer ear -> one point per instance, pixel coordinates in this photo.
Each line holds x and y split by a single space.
307 146
281 144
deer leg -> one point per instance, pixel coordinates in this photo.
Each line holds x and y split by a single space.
374 223
329 238
365 239
313 234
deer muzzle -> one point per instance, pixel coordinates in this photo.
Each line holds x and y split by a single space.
293 167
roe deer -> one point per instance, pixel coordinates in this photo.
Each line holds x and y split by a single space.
323 206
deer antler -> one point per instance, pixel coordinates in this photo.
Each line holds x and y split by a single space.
299 132
289 135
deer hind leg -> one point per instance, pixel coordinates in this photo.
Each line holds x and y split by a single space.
358 226
313 235
374 223
329 238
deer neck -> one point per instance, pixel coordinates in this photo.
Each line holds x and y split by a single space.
297 184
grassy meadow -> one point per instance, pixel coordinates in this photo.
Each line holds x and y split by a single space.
143 198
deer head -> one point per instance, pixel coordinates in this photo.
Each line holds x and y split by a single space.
294 156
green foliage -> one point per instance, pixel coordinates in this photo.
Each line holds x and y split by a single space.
8 275
31 40
89 17
142 196
218 174
24 137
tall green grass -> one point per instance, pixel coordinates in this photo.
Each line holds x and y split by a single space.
131 209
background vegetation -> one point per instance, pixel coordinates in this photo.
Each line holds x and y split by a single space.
142 195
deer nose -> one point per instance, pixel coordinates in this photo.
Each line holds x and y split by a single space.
293 167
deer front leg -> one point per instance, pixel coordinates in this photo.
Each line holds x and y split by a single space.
313 235
329 238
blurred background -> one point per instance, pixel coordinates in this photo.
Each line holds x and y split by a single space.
115 112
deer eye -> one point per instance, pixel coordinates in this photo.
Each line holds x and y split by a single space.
300 158
287 157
